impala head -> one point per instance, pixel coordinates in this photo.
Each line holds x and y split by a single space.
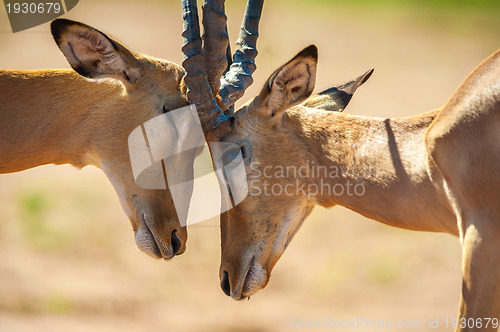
252 242
256 232
140 88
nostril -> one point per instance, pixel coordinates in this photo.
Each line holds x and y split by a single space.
176 243
224 284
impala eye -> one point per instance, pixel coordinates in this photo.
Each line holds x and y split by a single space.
243 152
230 155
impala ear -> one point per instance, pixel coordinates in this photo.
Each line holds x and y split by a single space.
93 54
336 98
290 84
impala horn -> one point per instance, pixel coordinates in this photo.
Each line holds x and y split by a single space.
208 88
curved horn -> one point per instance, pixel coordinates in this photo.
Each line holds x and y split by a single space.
205 64
215 41
199 91
239 77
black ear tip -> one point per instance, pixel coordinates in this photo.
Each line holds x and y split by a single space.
55 29
366 76
57 26
59 23
310 51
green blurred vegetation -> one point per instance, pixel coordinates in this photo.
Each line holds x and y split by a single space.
383 267
47 218
473 18
51 302
58 303
37 229
445 5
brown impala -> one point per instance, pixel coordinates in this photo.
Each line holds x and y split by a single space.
61 117
437 171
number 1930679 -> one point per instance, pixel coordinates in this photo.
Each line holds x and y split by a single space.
33 8
472 323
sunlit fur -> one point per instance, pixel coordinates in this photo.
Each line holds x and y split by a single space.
442 179
60 117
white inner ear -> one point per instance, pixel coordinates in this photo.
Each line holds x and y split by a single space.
92 48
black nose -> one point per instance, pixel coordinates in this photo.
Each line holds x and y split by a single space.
176 243
224 284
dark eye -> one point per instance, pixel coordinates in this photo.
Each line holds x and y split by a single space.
230 155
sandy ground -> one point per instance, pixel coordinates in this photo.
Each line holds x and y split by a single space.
68 261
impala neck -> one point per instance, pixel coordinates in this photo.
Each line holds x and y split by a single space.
376 167
49 117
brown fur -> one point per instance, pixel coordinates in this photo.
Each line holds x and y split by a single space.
464 144
60 117
441 181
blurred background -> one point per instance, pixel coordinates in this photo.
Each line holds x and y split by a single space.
68 260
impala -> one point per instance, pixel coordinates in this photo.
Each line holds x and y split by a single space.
437 171
83 117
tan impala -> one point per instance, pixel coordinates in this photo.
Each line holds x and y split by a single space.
61 117
437 171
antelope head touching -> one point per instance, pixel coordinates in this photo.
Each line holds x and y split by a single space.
59 117
418 173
